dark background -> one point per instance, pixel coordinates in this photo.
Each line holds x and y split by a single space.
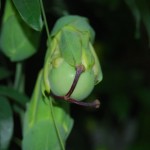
123 120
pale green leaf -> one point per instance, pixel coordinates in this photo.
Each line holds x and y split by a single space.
87 55
70 47
78 23
17 40
42 130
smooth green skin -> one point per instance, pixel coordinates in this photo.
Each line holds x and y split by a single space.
61 79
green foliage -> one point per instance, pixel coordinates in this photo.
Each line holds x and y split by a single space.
71 51
78 29
30 12
141 12
6 123
46 126
17 40
42 122
4 73
14 94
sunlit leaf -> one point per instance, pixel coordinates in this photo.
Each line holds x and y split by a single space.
30 12
6 123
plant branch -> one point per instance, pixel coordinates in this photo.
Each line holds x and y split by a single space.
45 21
55 124
18 75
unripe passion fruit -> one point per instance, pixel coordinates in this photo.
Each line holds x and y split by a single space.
62 76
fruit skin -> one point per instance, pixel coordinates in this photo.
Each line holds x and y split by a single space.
61 78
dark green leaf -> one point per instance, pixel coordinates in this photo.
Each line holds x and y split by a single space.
70 47
121 106
144 97
18 97
6 123
136 14
30 12
144 8
141 12
4 73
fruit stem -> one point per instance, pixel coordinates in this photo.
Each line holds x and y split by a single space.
79 70
94 104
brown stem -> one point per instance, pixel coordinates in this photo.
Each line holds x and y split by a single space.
79 70
94 104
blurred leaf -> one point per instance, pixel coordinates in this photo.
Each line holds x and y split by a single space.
18 97
144 7
6 123
112 4
141 11
136 14
4 73
42 130
140 145
30 11
120 105
144 97
17 40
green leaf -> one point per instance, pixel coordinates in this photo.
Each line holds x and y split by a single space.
141 12
78 23
45 127
63 22
136 14
6 123
97 67
87 55
30 11
70 47
18 97
17 40
120 105
4 73
144 8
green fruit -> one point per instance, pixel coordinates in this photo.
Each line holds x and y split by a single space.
62 76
